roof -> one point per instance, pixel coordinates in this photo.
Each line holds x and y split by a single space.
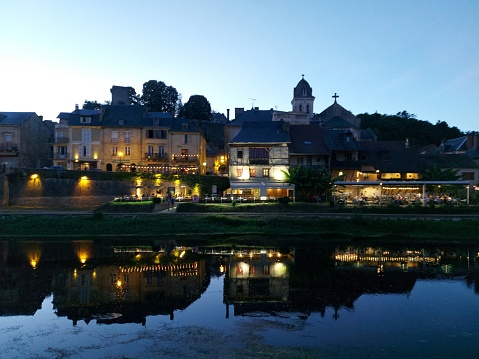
14 118
124 115
252 115
336 140
455 161
262 132
368 135
390 156
307 139
338 123
336 110
302 89
184 125
454 144
74 118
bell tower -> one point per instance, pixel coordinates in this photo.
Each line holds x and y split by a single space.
303 99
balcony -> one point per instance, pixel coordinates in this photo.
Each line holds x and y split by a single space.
62 139
258 161
156 157
9 148
191 159
61 156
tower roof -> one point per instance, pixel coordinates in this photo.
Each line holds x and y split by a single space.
302 89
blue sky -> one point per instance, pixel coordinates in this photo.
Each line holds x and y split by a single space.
378 55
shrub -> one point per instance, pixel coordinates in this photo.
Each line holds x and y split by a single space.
283 200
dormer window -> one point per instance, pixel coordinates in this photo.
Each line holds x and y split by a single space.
156 122
300 108
121 122
184 127
307 142
85 119
307 108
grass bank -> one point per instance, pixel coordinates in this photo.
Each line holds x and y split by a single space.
216 226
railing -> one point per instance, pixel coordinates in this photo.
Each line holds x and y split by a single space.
185 159
60 156
259 161
62 139
9 147
155 156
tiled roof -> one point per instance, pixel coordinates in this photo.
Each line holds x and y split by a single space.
338 123
252 115
454 144
336 140
184 125
390 156
14 118
455 161
124 115
336 110
262 132
307 139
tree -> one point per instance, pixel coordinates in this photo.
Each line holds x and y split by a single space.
309 182
133 97
197 108
434 173
92 105
159 98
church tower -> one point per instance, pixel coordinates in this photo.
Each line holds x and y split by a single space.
303 99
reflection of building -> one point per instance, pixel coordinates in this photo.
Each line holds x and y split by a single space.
260 280
130 292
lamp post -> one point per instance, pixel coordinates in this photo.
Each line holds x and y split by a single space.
120 155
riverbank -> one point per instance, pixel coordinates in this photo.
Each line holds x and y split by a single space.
214 228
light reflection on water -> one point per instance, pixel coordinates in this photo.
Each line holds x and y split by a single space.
161 301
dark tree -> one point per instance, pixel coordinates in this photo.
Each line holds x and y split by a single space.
133 97
92 105
405 125
197 108
159 98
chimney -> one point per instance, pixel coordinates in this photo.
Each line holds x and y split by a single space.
239 111
256 108
228 114
76 107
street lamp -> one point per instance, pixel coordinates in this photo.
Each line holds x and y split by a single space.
120 155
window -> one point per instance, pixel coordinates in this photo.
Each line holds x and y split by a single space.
126 136
85 151
186 139
84 119
8 137
62 150
299 160
161 151
258 156
239 172
114 136
156 134
150 150
300 108
468 176
184 127
265 172
127 150
86 135
252 172
307 108
156 122
114 150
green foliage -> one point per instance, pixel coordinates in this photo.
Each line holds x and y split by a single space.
159 97
309 182
91 105
197 108
405 125
283 200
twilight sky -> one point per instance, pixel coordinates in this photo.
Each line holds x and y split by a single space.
421 56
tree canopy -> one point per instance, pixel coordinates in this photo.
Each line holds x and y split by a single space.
92 105
309 182
405 125
159 97
197 108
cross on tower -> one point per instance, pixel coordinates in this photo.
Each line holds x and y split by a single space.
335 97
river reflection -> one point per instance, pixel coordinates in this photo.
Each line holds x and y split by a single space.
113 284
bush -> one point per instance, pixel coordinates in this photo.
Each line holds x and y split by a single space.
157 200
283 200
